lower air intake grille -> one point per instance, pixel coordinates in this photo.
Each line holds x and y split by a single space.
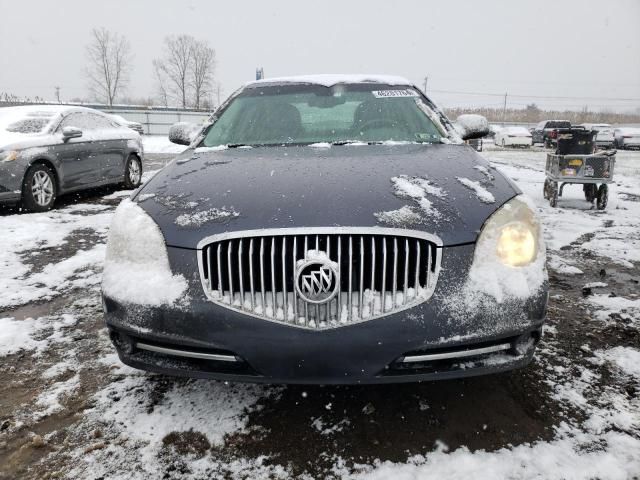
320 277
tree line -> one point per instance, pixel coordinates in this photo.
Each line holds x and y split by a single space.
184 73
533 114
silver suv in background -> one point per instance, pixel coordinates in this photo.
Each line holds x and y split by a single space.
604 137
626 138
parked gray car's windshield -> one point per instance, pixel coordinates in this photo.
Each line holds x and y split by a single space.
35 122
313 114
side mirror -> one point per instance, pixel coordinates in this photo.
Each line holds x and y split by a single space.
71 132
183 133
472 126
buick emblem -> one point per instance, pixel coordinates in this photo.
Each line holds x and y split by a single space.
317 281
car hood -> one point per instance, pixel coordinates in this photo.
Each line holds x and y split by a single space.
19 141
446 190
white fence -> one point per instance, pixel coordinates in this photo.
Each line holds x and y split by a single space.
158 122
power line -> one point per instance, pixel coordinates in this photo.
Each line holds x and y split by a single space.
548 97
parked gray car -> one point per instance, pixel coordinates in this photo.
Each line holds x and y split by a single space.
327 229
135 126
49 150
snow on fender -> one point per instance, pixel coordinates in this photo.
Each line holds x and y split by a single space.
137 267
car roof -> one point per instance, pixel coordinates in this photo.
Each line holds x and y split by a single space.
31 110
329 80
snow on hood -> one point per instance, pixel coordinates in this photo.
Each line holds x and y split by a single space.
329 80
9 116
291 187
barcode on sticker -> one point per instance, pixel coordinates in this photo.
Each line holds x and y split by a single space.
393 93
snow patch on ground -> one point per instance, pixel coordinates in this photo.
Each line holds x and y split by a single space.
626 359
32 334
570 456
27 235
50 400
140 423
160 144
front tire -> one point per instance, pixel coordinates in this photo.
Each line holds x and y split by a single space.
590 192
552 194
603 197
132 173
39 189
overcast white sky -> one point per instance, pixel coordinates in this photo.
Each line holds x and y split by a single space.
545 48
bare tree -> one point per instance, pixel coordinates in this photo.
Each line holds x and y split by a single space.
185 72
163 93
109 56
174 67
203 65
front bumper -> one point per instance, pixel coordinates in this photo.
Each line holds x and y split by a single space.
209 341
11 175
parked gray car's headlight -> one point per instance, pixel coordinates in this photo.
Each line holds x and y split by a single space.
137 266
509 258
511 235
8 156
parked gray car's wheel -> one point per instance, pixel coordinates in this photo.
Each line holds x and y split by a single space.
133 172
39 189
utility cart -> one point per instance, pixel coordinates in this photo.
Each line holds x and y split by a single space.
575 162
586 170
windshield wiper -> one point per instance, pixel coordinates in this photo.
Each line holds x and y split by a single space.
239 145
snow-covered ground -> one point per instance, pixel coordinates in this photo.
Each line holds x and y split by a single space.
160 144
70 409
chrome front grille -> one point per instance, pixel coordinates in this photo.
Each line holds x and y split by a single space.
375 272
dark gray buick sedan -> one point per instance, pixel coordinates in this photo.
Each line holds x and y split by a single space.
327 229
49 150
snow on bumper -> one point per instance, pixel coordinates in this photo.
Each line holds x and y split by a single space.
11 175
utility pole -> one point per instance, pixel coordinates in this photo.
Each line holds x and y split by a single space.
218 88
426 79
504 109
58 94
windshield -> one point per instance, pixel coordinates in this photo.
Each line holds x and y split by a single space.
16 121
558 124
307 114
518 131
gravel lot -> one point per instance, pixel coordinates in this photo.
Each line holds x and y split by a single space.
69 409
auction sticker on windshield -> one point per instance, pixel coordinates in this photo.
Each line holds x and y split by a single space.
393 93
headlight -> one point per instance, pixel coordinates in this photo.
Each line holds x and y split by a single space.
511 234
509 258
517 244
8 156
137 267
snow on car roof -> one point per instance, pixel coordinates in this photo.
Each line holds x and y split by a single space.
328 80
20 122
8 114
